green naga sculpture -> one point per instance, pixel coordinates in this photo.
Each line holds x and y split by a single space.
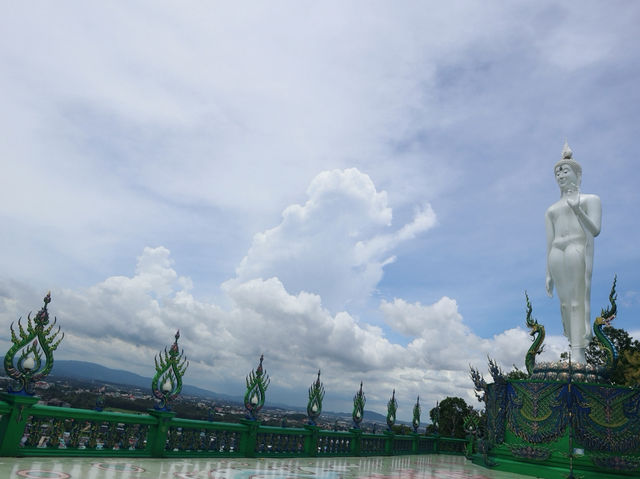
605 318
314 406
537 330
359 401
257 384
31 343
392 407
416 415
169 371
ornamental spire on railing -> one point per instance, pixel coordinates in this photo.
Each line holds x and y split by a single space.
435 419
359 401
31 343
169 372
314 406
392 407
257 384
416 415
471 423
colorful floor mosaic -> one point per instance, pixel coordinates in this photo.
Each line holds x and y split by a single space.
406 467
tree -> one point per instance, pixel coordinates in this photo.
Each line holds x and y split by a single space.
627 371
401 429
632 372
452 411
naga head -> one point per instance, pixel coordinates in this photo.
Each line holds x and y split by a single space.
603 321
609 314
535 329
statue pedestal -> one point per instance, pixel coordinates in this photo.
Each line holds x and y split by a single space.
561 370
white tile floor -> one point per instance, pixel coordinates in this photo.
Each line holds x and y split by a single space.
405 467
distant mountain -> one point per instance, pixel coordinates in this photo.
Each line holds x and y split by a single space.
95 372
373 416
370 416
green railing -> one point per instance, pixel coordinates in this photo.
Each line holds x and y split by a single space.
30 429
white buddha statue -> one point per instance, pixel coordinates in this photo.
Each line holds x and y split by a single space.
571 224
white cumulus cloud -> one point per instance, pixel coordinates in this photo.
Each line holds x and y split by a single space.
335 244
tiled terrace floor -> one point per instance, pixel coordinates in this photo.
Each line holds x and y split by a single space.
406 467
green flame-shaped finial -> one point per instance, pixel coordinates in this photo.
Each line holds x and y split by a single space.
316 395
257 384
167 382
392 407
28 346
416 415
435 417
359 401
470 423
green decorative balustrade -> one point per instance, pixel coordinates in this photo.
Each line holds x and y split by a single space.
31 429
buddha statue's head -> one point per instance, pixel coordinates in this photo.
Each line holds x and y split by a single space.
567 160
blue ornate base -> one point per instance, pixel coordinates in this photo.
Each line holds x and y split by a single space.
593 429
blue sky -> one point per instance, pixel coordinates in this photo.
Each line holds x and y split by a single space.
353 187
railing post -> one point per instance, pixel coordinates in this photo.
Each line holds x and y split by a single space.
157 439
356 441
12 425
249 438
311 441
388 443
415 442
436 443
469 446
